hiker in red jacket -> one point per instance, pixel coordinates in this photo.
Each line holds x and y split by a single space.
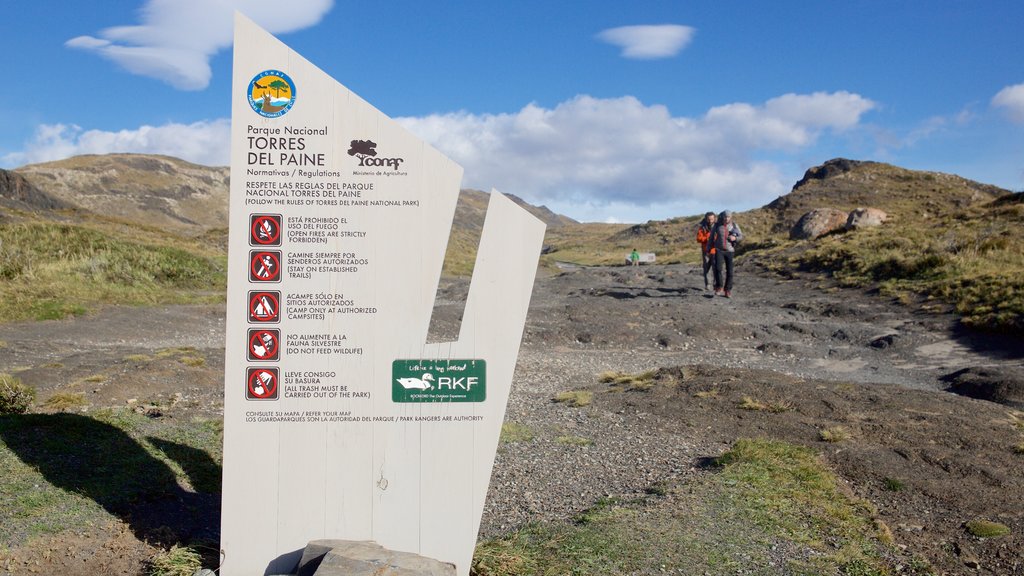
707 251
724 237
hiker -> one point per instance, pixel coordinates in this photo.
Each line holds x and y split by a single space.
634 257
724 237
707 251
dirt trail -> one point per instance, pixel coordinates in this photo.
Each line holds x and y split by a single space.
836 357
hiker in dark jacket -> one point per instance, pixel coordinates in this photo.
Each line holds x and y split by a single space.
707 251
724 237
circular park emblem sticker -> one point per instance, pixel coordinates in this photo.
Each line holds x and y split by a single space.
271 93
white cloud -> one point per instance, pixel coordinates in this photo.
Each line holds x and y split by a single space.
1011 99
592 158
200 142
649 42
176 38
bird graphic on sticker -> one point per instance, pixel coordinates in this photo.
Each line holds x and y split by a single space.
417 383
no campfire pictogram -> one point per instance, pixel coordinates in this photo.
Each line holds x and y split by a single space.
264 229
261 384
264 306
265 266
264 344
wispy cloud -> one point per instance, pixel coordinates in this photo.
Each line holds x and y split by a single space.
649 42
200 142
1011 100
176 38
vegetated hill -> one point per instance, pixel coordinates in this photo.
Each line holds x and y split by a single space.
146 189
948 243
907 195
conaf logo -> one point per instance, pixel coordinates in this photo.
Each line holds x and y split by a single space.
366 151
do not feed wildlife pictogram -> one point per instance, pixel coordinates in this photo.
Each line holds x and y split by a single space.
264 344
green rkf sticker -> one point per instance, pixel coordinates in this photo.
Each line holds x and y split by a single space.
438 380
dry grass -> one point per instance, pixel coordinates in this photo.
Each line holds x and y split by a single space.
575 398
754 405
834 434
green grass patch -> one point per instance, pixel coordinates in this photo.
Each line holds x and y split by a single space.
766 496
987 529
64 470
53 271
575 398
516 432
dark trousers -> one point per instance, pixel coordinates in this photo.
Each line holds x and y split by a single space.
708 261
723 259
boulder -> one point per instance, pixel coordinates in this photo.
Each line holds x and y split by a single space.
865 218
818 223
364 558
1004 385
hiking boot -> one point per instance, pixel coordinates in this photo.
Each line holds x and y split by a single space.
728 294
719 292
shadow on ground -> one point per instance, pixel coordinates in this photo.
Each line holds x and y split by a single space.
99 461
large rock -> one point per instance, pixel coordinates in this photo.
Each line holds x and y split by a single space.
865 218
818 223
354 558
1003 385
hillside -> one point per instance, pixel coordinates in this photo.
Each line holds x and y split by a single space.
955 249
151 190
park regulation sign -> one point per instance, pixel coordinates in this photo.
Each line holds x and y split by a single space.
340 420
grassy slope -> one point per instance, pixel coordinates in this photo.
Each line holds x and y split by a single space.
51 269
770 508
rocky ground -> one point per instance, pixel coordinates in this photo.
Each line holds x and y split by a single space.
826 358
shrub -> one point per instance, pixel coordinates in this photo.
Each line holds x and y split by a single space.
15 396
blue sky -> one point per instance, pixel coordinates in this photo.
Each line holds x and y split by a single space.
601 110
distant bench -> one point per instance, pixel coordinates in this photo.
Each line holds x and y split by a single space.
645 258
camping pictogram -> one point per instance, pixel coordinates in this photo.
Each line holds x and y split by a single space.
261 384
264 344
264 306
264 229
265 266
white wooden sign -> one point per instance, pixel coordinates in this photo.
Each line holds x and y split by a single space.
339 420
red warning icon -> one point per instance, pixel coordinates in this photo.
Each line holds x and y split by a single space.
265 266
264 344
264 306
261 384
264 229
